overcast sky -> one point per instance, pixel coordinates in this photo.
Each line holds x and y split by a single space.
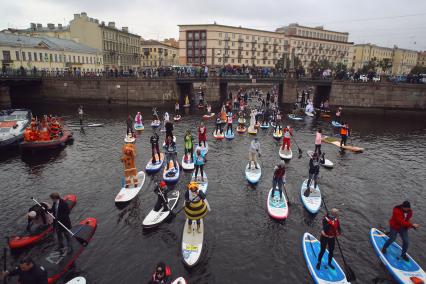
385 23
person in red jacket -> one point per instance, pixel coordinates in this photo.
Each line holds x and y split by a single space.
330 230
202 134
399 224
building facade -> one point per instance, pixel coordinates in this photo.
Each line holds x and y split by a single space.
50 30
388 60
47 54
218 45
316 44
421 59
156 54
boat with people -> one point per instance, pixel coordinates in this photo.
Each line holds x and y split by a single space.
13 123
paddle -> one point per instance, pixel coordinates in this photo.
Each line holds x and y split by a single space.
80 240
286 195
298 148
162 195
4 264
349 272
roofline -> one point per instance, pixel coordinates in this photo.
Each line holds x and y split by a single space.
320 39
234 27
385 47
313 28
155 42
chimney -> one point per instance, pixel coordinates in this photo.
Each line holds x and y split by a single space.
33 26
39 26
125 29
111 25
60 26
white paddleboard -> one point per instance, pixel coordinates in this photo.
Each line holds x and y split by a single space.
251 130
155 218
277 134
77 280
277 208
309 113
187 165
179 280
202 185
312 203
218 135
285 154
127 194
327 163
253 174
138 127
153 168
192 243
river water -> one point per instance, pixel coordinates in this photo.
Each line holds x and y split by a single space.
242 243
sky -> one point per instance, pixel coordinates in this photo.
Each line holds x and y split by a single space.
385 23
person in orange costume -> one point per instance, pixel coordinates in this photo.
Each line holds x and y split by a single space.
128 159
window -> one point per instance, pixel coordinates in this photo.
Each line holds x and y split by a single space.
233 43
189 44
220 35
40 56
50 57
69 58
220 42
247 53
73 58
56 58
35 56
24 57
196 35
232 60
29 56
203 35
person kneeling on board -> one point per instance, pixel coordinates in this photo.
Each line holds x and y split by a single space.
189 145
170 151
344 133
253 152
288 132
161 275
199 163
278 179
162 201
155 147
195 207
28 272
61 211
37 218
399 224
330 230
314 166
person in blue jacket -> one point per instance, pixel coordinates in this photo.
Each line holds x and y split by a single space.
199 161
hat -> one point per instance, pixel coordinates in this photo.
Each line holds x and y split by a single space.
163 183
406 204
32 214
193 186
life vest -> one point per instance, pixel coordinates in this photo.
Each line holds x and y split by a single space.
27 134
167 274
333 226
343 131
54 129
188 141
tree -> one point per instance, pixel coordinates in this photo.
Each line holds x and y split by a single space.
340 67
370 66
325 64
313 65
418 70
385 64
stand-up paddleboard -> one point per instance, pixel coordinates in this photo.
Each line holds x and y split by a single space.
325 275
336 142
127 194
179 280
218 135
86 125
58 262
285 154
174 140
336 124
312 203
401 270
241 129
34 237
277 207
202 185
241 120
252 174
327 163
187 164
192 243
229 135
278 134
129 139
138 127
155 218
77 280
252 130
310 114
155 167
207 116
294 117
177 117
155 123
264 126
171 175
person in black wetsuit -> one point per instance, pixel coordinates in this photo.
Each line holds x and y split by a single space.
314 166
155 147
169 129
162 201
28 272
330 230
129 124
61 211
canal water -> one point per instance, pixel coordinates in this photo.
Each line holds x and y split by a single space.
242 243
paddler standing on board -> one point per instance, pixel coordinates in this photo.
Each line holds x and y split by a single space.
202 134
278 179
170 151
80 114
399 224
162 201
318 141
138 118
314 166
195 206
129 125
254 151
330 230
344 134
155 147
189 145
338 116
128 159
229 123
288 132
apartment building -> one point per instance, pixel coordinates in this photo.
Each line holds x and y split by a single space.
421 59
156 54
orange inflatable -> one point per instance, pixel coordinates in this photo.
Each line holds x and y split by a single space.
128 159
